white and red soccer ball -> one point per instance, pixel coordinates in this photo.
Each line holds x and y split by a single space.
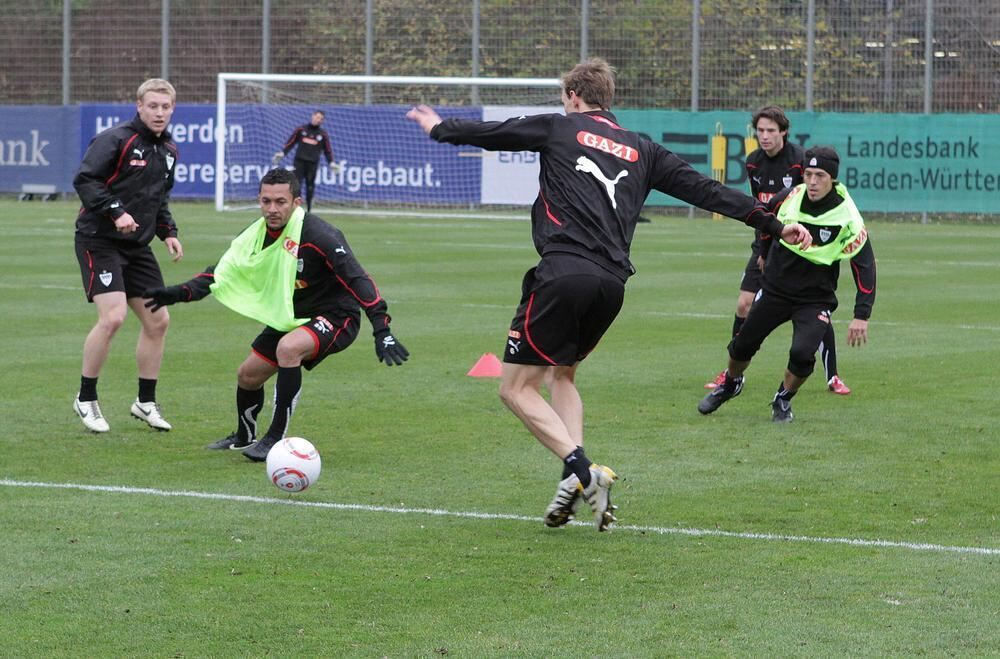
293 464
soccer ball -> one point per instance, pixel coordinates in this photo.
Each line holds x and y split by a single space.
293 464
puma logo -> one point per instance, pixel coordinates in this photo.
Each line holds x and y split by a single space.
585 164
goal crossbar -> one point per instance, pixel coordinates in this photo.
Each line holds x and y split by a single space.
388 80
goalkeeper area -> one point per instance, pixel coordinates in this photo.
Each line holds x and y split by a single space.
383 160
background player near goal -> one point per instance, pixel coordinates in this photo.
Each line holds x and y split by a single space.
309 141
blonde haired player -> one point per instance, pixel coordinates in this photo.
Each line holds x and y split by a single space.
124 183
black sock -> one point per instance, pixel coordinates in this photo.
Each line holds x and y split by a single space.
248 405
783 393
88 388
285 397
579 464
828 352
147 390
737 325
731 381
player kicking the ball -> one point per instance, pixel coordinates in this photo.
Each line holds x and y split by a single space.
595 177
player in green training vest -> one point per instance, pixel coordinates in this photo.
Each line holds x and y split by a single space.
800 285
296 274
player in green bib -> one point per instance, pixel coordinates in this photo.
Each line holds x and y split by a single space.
296 274
800 285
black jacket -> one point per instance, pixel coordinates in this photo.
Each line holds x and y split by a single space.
770 175
127 168
595 177
312 141
329 280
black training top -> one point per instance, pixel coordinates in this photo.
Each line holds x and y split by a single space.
127 168
329 281
312 141
594 179
769 175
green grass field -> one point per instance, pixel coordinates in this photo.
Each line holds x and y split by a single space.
869 526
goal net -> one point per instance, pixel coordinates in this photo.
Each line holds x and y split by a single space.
382 159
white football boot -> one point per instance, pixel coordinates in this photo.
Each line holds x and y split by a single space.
90 413
598 495
564 504
150 413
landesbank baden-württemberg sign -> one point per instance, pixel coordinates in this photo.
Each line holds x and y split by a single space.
889 162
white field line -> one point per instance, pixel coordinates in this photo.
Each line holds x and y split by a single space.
773 537
446 215
54 287
885 323
881 261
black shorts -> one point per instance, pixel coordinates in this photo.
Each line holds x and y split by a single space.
752 275
331 334
567 304
111 266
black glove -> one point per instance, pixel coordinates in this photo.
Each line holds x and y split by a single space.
388 349
164 297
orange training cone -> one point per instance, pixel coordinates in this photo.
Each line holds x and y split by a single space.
488 366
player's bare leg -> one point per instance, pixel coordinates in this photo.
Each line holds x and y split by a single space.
148 359
111 311
566 400
520 386
152 338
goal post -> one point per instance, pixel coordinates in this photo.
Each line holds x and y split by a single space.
382 158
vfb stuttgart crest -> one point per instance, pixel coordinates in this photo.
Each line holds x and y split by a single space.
105 278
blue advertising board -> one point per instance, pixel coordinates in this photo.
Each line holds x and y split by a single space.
34 143
393 162
384 157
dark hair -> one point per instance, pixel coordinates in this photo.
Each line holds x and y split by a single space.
775 114
280 176
593 81
320 111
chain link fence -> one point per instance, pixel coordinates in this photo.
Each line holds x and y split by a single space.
939 56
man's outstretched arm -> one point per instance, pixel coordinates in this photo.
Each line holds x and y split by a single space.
192 290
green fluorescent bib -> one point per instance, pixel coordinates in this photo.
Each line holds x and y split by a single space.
259 282
852 237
